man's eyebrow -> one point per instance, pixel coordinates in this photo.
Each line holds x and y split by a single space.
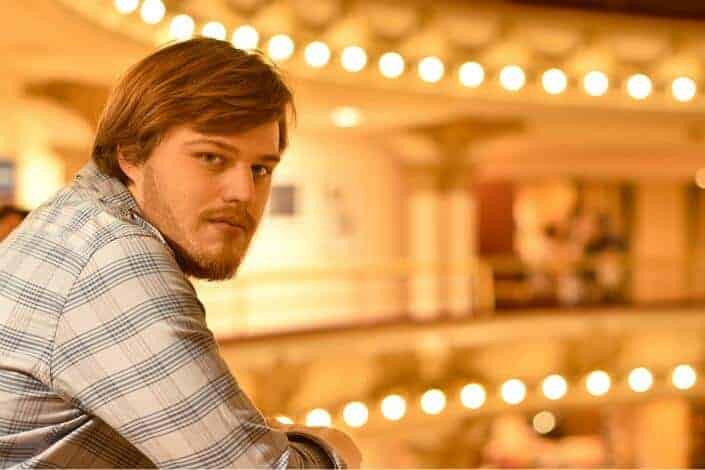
231 148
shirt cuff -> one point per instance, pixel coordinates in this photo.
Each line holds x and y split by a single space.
316 450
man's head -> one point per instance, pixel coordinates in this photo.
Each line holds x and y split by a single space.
10 218
195 130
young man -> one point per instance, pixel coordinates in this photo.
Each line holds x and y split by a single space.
10 218
105 356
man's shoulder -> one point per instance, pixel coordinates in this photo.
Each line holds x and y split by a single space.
81 223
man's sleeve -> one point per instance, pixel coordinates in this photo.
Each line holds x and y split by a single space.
132 348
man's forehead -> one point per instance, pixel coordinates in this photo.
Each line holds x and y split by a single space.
263 134
262 140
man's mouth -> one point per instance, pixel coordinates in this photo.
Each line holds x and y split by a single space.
229 224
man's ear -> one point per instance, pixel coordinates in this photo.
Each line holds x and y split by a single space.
127 167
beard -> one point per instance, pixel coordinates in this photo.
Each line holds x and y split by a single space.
192 261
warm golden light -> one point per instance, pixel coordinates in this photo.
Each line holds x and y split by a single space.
700 178
640 379
683 89
471 74
317 54
355 414
353 58
346 116
318 417
181 27
280 47
554 387
513 391
431 69
639 86
473 396
683 377
433 401
245 37
393 407
596 83
512 78
284 419
152 11
215 30
391 64
126 7
544 422
598 383
554 81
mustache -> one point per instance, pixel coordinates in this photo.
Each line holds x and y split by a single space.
241 218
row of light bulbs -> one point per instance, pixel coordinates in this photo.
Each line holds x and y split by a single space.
473 396
317 54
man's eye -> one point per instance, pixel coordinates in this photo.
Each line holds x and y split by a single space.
210 158
261 171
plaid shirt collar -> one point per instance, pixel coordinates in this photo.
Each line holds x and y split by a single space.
114 194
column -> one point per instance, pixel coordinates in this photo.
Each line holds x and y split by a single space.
459 240
659 243
423 212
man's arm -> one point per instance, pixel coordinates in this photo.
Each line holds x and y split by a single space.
132 348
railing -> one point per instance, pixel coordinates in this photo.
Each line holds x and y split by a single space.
368 293
298 298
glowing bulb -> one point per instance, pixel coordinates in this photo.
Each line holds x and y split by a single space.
181 27
431 69
433 401
280 47
596 83
215 30
284 419
544 422
700 178
394 407
353 58
391 64
598 383
317 54
355 414
554 387
126 7
473 396
683 377
346 116
639 86
152 11
318 417
245 37
554 81
471 74
512 78
640 379
683 89
513 391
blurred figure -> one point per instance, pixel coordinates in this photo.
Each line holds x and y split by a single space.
10 218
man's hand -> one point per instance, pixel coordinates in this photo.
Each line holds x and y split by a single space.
338 440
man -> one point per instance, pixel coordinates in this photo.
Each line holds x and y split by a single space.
10 218
105 356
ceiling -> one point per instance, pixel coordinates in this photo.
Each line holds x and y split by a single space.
677 9
86 53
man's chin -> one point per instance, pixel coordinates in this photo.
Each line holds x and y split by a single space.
210 267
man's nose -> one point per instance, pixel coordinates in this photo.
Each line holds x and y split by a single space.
239 184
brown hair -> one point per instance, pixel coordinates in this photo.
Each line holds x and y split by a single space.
204 83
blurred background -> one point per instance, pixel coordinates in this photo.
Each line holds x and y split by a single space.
486 243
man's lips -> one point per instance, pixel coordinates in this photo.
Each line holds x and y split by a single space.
231 223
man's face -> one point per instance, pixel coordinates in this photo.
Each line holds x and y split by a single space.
206 194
